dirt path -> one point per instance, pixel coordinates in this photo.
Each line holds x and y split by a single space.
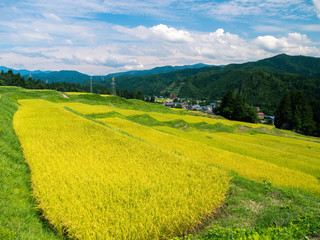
63 95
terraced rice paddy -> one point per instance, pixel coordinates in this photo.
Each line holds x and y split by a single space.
93 182
95 109
112 178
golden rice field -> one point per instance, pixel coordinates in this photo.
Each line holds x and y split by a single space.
115 179
302 159
248 166
93 182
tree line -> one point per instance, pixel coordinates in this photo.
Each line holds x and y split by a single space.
11 79
296 112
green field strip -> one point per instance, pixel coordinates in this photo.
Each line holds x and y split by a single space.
19 218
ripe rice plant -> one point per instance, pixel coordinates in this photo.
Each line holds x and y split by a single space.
293 158
298 147
246 166
93 182
90 109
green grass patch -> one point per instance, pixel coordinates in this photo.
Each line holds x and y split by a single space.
19 218
261 211
16 93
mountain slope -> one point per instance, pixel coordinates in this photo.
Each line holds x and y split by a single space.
303 65
262 83
156 70
62 76
257 87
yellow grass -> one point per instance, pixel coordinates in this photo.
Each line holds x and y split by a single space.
93 182
246 166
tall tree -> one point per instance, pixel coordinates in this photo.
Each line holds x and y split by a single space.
284 116
239 109
227 105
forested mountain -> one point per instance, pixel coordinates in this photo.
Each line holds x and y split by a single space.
258 88
303 65
158 83
156 70
62 76
261 83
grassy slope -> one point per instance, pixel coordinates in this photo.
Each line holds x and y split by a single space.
19 218
251 207
261 211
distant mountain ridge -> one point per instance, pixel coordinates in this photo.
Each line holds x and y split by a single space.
23 72
77 77
156 70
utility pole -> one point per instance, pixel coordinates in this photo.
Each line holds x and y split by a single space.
113 87
90 84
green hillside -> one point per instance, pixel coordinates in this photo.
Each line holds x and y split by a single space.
156 83
302 65
259 88
262 83
61 76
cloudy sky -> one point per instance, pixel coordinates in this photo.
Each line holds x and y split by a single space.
105 36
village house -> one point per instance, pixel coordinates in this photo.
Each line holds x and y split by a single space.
169 104
261 115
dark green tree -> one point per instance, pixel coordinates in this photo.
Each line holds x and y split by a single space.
315 105
239 108
284 115
301 119
227 105
250 114
236 108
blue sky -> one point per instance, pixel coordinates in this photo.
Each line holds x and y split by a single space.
104 36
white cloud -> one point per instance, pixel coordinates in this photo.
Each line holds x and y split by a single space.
155 46
317 7
311 28
283 9
294 43
52 16
66 35
269 28
159 32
